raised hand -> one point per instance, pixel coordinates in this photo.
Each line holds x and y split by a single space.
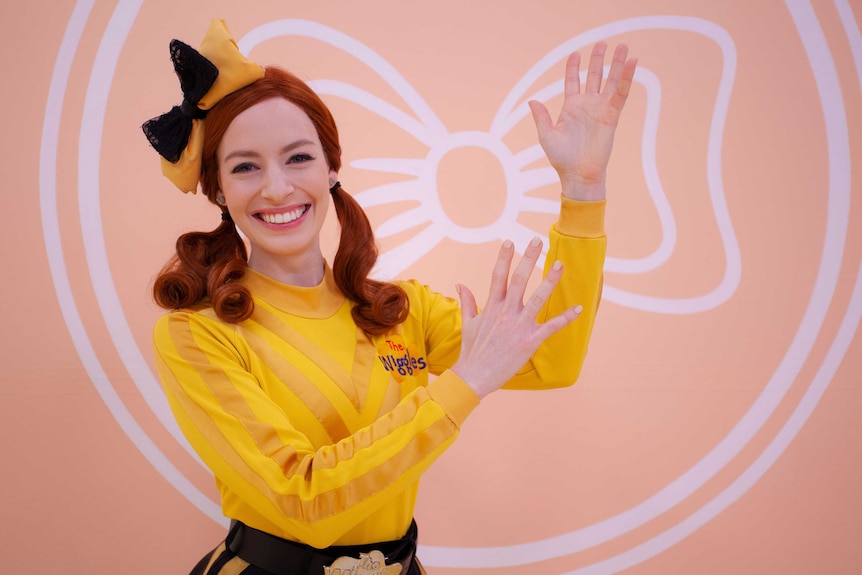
498 341
579 144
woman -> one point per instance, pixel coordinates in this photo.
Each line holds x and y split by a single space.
305 387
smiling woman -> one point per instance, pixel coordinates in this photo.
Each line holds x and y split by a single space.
305 388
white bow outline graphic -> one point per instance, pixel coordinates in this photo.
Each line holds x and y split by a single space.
428 129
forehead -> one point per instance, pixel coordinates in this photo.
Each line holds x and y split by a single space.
274 121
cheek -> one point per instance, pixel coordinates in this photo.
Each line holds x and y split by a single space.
237 191
323 205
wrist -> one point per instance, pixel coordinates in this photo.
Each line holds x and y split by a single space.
578 188
473 379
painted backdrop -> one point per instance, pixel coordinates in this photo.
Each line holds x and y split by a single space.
716 426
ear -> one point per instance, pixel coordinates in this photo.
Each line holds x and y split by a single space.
333 176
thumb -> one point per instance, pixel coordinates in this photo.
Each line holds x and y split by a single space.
469 309
541 116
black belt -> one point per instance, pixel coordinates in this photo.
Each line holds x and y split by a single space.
282 557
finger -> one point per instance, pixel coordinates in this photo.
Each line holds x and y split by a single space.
500 273
616 71
541 294
624 85
572 86
523 271
596 68
556 323
541 116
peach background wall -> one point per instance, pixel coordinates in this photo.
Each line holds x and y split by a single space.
716 427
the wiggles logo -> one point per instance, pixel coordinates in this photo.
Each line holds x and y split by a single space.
398 359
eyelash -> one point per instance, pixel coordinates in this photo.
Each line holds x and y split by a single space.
300 158
241 168
295 159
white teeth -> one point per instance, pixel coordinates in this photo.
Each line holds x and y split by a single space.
283 218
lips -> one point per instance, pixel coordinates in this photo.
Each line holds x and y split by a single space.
283 217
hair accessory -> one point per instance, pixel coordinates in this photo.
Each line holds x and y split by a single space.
169 133
206 76
333 185
225 217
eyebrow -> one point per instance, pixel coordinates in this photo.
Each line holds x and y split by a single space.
250 154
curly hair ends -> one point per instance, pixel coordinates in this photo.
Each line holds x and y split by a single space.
177 287
231 301
388 306
207 264
380 306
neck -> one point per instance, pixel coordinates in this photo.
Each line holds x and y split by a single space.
306 271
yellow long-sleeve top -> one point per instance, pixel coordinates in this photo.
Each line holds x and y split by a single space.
316 432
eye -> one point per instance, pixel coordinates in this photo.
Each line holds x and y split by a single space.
242 168
300 158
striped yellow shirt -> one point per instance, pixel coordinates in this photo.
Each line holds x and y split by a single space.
317 432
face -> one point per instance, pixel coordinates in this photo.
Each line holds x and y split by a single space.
275 181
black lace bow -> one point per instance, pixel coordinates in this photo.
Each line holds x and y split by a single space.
169 133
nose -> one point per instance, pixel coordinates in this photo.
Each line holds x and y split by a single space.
277 185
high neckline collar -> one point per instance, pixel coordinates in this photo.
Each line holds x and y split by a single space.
317 302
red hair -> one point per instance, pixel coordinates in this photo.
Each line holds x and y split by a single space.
207 264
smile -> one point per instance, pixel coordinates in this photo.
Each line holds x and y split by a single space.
285 217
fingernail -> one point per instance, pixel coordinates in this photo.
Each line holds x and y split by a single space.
579 308
458 288
557 265
507 244
536 241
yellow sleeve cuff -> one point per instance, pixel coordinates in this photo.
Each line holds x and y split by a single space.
581 219
456 398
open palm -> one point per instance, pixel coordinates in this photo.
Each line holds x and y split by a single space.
578 145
